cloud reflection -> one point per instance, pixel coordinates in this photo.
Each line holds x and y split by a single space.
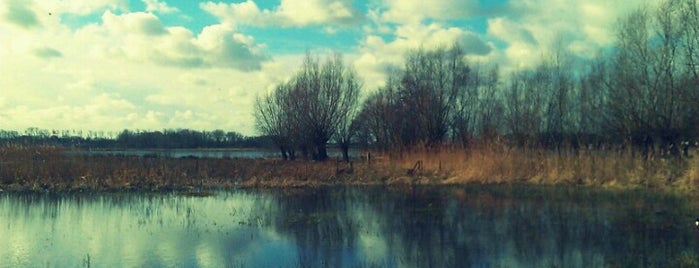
439 227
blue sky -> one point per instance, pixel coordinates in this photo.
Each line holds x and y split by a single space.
153 64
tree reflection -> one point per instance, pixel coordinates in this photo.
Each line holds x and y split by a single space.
446 227
320 223
481 226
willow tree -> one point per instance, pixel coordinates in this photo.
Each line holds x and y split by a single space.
273 119
317 104
423 101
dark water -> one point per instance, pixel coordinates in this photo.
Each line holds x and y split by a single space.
494 226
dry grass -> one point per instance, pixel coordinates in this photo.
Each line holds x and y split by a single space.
609 169
51 169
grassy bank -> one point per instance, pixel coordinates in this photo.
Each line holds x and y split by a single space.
52 169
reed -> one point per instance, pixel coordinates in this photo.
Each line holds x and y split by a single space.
599 168
51 168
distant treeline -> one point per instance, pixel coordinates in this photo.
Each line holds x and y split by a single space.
642 93
166 139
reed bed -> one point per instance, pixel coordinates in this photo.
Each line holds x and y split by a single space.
51 168
599 168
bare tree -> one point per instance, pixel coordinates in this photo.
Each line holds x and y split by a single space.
379 120
592 103
652 97
349 108
524 102
272 119
313 107
431 83
490 107
560 88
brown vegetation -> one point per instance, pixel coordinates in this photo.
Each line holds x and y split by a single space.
52 169
597 168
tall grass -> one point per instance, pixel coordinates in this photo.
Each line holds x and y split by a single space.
504 164
50 168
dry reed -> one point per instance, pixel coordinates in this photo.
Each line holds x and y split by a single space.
49 168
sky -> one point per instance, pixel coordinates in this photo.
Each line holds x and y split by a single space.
109 65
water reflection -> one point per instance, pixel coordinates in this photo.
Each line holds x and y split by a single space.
367 227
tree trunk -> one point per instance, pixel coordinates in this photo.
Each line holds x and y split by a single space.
321 153
292 154
283 151
345 152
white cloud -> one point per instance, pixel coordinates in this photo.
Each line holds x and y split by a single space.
394 27
129 23
122 73
522 49
101 112
510 31
289 13
376 54
141 37
80 7
226 48
533 29
400 11
113 94
318 12
160 7
237 13
131 70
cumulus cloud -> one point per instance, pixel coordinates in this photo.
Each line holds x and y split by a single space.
224 47
288 14
395 27
136 22
141 37
399 11
99 112
112 95
121 71
533 29
160 7
318 12
81 7
511 31
377 54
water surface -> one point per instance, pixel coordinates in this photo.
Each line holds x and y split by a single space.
197 153
493 226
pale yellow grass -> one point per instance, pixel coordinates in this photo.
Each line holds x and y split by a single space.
502 164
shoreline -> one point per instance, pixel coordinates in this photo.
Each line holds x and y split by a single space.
50 169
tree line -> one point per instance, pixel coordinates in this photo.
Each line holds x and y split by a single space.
133 139
641 94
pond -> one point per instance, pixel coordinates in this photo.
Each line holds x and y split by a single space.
469 226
